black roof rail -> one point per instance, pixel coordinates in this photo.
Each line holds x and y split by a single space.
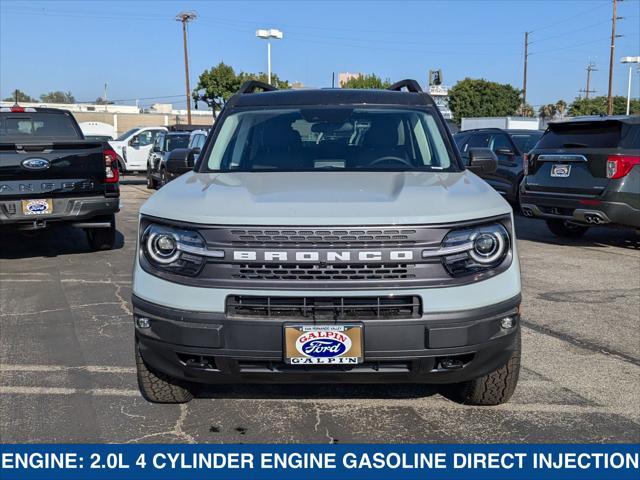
410 85
250 86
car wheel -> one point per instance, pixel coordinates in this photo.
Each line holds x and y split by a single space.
563 228
102 238
152 183
157 387
496 387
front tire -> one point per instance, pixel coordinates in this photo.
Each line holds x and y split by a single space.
494 388
102 238
563 228
157 387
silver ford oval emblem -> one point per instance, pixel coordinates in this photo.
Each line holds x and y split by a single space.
36 164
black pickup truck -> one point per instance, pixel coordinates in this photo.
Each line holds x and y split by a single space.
49 174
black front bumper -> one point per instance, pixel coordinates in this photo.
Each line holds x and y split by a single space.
210 348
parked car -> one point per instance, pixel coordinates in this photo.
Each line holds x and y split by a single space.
362 258
166 142
180 160
98 130
585 172
50 175
509 147
134 146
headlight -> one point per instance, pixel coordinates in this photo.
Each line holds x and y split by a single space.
175 250
473 249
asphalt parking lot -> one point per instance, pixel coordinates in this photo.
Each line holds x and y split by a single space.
67 366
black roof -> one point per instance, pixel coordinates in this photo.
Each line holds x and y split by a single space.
330 96
496 129
599 118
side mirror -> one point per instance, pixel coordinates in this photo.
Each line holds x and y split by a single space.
504 151
196 150
179 161
482 160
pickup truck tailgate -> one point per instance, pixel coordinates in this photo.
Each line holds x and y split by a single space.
40 169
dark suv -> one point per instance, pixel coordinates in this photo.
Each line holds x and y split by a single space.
585 172
509 146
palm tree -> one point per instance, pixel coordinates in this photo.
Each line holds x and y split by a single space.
547 111
561 107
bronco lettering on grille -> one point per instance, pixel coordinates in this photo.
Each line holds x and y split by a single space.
322 256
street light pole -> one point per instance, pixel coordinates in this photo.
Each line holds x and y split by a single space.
268 34
630 60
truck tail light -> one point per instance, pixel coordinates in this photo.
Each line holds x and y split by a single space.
17 109
111 174
525 164
619 166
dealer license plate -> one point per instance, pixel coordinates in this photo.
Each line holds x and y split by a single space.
560 170
323 344
40 206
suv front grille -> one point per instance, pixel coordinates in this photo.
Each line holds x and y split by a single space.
327 308
327 238
274 271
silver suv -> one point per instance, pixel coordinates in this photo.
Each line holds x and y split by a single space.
328 236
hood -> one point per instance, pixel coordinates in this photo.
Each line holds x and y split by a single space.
325 198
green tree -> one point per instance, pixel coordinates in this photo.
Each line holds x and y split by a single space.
102 101
547 111
221 82
58 97
480 98
21 97
262 77
525 110
598 106
561 107
366 81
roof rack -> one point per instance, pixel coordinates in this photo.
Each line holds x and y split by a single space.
410 85
250 86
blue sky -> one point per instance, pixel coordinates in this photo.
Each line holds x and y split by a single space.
136 47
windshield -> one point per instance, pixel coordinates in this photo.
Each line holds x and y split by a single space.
599 134
330 138
526 141
127 134
37 125
176 141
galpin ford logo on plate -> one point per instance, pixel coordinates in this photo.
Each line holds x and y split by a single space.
323 344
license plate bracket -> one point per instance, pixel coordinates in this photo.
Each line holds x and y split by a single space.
323 344
560 170
37 206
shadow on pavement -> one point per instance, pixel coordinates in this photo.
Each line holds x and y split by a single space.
536 230
53 241
316 391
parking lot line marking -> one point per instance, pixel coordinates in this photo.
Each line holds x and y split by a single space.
98 392
65 368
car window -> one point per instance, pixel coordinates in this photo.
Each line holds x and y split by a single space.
127 134
157 144
33 125
479 140
599 134
526 141
175 141
330 138
500 141
146 138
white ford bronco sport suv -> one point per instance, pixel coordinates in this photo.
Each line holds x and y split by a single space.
328 236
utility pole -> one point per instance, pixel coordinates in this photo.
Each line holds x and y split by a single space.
526 61
105 97
590 68
613 46
186 17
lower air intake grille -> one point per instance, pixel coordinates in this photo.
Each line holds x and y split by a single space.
327 308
